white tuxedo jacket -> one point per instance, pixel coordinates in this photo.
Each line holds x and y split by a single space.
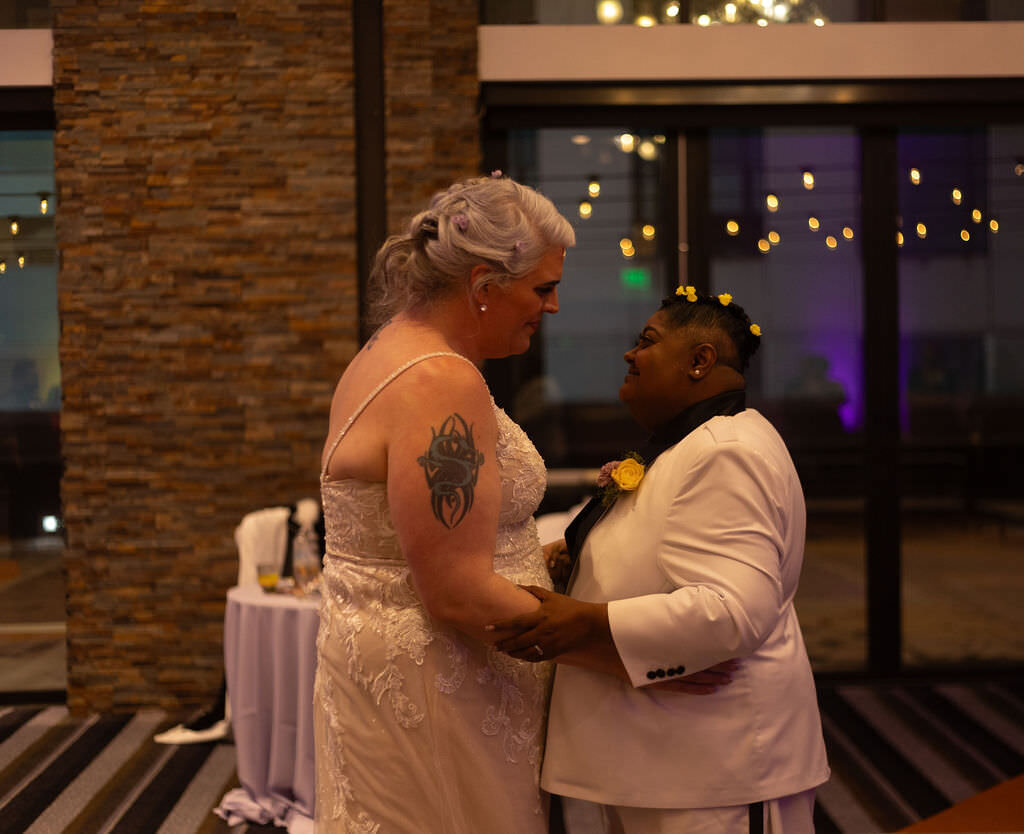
699 565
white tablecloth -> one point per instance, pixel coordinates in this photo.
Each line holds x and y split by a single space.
270 661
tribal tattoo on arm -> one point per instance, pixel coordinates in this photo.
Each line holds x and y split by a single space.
451 464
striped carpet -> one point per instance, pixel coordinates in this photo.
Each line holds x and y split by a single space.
900 753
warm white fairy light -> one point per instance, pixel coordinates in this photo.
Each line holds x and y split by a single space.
609 11
915 176
772 202
732 228
957 196
648 231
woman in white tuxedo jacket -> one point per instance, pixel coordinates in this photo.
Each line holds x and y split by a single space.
695 564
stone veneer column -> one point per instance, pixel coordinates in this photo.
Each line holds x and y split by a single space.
431 92
208 294
205 168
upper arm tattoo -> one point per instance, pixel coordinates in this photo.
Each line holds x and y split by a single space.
451 464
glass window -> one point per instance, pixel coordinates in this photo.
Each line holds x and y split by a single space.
714 12
29 330
25 14
962 392
784 215
611 184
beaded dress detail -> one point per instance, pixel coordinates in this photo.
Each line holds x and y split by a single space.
418 727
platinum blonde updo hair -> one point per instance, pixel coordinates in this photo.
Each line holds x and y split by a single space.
491 221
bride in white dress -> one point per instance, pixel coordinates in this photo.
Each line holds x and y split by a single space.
429 491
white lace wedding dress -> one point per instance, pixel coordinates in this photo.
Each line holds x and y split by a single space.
419 729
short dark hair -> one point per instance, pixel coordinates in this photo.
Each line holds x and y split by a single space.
708 311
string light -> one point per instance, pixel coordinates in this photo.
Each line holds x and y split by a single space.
774 237
813 224
847 232
580 139
609 11
704 20
594 187
764 245
1018 169
44 203
957 196
732 228
15 227
3 267
772 202
647 150
672 9
21 261
808 177
647 231
993 224
899 238
965 235
831 242
626 245
645 20
976 215
915 176
626 142
585 209
922 230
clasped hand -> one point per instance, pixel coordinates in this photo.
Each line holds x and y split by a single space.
578 633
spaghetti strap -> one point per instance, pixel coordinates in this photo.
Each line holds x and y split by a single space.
380 387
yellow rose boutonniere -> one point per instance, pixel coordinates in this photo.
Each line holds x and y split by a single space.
619 476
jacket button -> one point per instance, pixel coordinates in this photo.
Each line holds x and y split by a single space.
681 670
660 673
672 671
652 675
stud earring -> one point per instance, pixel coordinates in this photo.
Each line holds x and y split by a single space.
697 372
483 308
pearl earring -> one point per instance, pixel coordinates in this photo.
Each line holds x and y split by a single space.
697 372
483 308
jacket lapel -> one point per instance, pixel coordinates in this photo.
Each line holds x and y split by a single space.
727 404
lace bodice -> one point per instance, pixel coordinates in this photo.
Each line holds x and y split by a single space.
356 516
375 627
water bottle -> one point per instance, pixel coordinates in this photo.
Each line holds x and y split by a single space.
306 561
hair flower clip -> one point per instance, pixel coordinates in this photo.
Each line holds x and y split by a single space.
726 299
618 476
460 222
755 330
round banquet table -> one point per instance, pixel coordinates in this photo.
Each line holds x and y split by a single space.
270 662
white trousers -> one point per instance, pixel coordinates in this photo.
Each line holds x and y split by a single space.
786 815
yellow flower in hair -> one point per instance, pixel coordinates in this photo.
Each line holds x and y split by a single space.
689 292
725 298
755 330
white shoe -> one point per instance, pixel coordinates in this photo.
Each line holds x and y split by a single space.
180 734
